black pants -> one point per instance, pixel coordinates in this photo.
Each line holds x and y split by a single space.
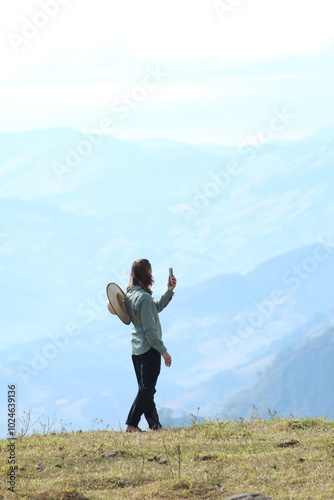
147 367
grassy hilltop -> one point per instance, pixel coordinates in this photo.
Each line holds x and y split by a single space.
281 458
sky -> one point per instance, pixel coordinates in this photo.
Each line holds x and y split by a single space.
193 70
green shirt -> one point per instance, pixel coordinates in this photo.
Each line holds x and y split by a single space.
143 312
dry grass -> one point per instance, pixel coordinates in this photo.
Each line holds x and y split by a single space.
205 461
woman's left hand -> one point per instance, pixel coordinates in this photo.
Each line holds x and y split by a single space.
172 283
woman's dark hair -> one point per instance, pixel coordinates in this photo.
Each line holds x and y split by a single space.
141 274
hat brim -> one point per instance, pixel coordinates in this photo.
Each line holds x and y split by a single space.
116 298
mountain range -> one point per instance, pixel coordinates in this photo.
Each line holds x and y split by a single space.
252 253
298 383
85 375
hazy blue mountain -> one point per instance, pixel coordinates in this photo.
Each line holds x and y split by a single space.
232 243
213 396
89 375
189 211
288 149
62 239
299 381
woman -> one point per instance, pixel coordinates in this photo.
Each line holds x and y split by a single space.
147 344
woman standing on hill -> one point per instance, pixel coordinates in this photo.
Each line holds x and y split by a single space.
147 344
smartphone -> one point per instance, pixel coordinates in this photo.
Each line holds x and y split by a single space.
170 274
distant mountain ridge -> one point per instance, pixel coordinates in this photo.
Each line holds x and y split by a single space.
255 239
299 381
197 333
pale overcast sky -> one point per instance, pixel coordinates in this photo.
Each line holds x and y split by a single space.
221 67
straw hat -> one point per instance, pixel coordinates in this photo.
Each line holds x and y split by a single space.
116 304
